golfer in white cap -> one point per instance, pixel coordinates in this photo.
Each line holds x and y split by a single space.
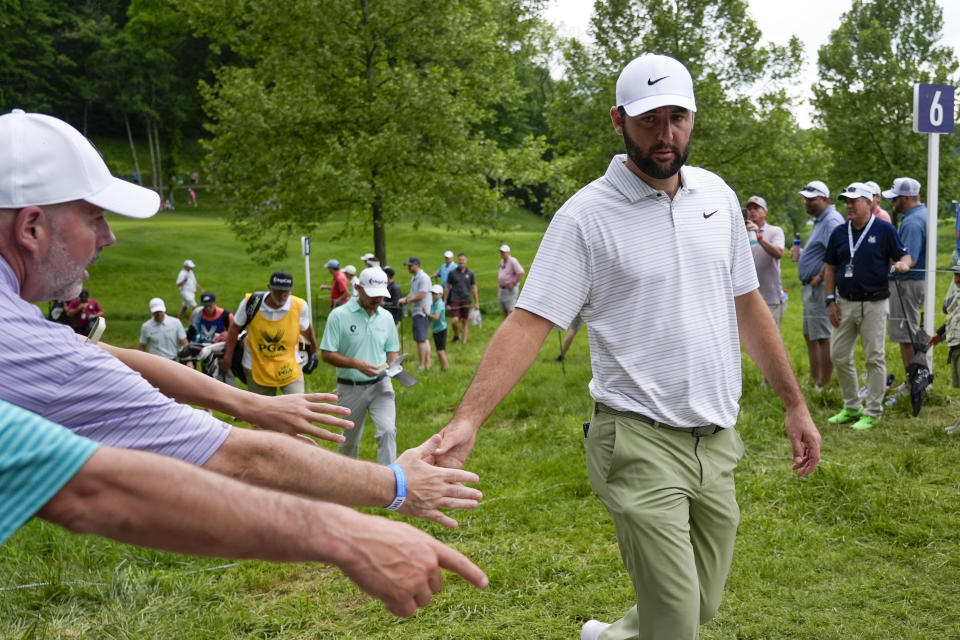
654 256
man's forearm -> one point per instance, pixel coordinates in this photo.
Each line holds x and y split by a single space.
278 462
510 353
761 339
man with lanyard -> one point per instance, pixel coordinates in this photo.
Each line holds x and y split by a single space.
857 264
273 333
209 320
816 325
360 340
637 250
908 291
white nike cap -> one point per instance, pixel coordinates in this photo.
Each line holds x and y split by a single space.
46 161
652 81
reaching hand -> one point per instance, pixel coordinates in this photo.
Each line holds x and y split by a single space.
458 440
805 440
431 487
296 414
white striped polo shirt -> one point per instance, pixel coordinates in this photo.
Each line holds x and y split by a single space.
655 281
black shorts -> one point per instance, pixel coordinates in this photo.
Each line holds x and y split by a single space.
421 325
440 340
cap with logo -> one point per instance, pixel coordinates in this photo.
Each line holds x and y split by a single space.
208 298
652 81
815 189
156 304
856 190
412 260
437 289
448 254
505 247
189 264
373 281
333 263
281 281
46 161
757 200
903 187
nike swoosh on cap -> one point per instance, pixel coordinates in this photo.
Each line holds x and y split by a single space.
651 81
707 215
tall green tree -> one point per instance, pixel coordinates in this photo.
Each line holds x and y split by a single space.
864 98
745 129
376 109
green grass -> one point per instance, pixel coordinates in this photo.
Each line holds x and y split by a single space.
866 548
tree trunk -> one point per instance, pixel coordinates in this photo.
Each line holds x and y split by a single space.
156 142
153 160
379 227
133 150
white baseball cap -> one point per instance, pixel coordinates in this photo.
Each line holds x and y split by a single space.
189 263
757 200
46 161
653 81
436 289
903 187
368 256
350 270
373 281
815 189
856 190
448 254
156 304
505 247
873 187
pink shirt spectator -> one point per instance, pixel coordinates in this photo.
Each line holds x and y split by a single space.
883 215
768 267
510 273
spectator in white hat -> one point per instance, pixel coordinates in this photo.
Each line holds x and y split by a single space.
351 272
877 210
654 257
162 335
509 276
908 292
856 282
444 270
767 253
188 285
816 324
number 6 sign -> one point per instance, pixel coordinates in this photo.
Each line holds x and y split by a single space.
933 108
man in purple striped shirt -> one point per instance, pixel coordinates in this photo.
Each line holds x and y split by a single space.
53 189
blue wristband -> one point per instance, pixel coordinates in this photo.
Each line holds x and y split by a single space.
401 487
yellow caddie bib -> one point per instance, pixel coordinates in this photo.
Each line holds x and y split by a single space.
273 346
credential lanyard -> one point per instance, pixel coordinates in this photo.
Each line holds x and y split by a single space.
854 247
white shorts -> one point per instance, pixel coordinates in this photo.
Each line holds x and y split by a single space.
189 298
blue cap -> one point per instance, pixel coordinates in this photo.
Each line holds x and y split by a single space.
332 263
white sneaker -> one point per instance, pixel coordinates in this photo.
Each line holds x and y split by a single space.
592 629
953 429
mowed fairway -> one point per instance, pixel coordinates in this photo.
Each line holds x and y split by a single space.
865 548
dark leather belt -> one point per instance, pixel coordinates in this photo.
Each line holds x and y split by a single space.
358 383
696 432
866 296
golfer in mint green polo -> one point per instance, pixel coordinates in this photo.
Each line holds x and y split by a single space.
360 340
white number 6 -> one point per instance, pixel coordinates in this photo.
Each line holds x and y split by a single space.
936 110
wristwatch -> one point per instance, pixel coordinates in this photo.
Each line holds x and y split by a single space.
829 299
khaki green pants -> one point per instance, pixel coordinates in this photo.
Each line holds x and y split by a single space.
868 320
674 506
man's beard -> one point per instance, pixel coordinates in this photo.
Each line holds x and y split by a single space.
61 279
651 167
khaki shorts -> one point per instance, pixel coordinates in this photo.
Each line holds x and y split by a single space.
816 323
904 320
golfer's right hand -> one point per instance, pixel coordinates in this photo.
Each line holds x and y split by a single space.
457 443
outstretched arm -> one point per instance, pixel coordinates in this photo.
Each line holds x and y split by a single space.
510 353
290 414
761 339
159 502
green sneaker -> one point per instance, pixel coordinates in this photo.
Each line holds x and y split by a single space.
865 422
845 416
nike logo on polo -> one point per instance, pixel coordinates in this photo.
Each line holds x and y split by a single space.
651 81
707 215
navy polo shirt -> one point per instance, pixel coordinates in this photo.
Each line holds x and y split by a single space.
871 261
